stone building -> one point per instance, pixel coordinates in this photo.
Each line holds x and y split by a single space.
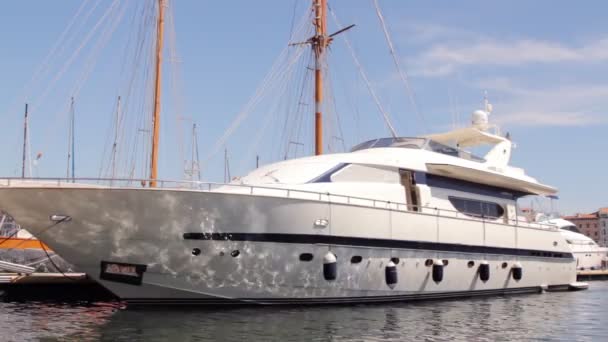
594 225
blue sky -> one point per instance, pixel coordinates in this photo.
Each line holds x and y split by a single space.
543 64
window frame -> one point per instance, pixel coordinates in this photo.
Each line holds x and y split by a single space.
484 207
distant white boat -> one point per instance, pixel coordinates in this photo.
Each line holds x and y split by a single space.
588 254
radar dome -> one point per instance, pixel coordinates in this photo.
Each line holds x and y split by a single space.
480 120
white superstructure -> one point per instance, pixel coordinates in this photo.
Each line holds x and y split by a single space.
395 219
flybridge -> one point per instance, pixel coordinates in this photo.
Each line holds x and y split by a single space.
452 143
418 143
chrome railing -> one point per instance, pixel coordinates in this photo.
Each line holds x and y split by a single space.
258 190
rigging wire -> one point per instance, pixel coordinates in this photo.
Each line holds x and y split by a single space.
176 83
140 124
402 73
90 62
280 91
385 115
76 52
136 68
332 96
41 69
304 92
254 100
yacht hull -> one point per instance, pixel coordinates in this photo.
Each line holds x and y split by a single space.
171 247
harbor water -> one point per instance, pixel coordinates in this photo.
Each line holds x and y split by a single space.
561 316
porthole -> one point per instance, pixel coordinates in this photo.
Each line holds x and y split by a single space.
471 263
428 262
504 265
395 260
196 251
235 253
445 262
356 259
306 257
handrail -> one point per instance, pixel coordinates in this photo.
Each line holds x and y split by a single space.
288 193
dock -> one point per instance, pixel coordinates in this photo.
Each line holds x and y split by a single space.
587 275
52 287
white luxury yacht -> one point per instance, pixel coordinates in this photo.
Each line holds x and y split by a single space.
588 254
395 219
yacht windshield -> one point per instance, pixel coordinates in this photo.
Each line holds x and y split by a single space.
572 229
416 143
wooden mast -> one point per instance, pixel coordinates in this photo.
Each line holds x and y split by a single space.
157 93
320 42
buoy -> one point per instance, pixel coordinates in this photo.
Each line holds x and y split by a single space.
330 266
484 271
517 271
437 271
390 273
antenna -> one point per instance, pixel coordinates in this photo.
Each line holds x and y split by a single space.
487 106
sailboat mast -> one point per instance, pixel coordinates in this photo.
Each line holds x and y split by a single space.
115 145
73 143
195 156
24 143
157 92
319 44
71 163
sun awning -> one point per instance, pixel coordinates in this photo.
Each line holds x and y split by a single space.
490 178
466 137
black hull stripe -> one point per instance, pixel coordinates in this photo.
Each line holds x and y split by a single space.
214 301
369 242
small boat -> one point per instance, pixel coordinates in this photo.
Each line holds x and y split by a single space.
18 246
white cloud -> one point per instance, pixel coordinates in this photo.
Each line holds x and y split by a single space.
545 118
442 59
574 105
532 99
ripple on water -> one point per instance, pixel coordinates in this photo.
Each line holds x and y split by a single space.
564 316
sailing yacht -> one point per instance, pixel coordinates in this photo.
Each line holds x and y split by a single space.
394 219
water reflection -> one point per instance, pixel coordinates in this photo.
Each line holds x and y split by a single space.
581 316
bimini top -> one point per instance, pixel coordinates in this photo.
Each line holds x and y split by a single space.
418 143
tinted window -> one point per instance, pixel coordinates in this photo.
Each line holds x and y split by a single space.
471 187
571 228
477 208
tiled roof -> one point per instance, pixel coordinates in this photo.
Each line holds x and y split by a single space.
581 217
